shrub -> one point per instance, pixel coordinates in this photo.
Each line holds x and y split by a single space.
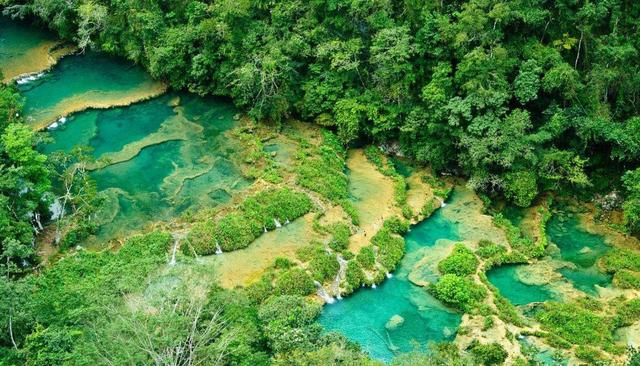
575 324
618 259
288 322
232 232
488 249
396 225
518 241
374 155
627 279
628 313
281 204
461 262
430 207
305 253
340 237
322 171
80 231
407 211
201 239
354 276
240 228
457 291
488 354
366 257
390 248
400 189
324 266
282 263
592 355
521 187
294 281
351 210
347 255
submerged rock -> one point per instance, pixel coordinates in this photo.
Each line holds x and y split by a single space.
394 322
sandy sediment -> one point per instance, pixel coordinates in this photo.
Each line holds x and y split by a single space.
35 60
94 100
244 266
375 198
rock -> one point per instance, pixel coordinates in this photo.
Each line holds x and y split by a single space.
585 250
394 322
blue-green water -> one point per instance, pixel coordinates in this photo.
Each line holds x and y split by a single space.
362 316
110 130
581 248
168 175
82 81
505 278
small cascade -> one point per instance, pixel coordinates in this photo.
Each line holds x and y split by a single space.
56 209
389 275
264 229
442 203
218 249
287 222
277 223
29 78
61 121
374 286
172 262
342 271
322 293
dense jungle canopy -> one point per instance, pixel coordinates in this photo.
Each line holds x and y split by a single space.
523 99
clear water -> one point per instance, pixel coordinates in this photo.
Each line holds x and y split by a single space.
505 278
581 248
362 316
110 130
82 81
163 176
23 49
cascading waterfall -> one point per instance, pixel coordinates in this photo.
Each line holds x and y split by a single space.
287 222
322 293
277 223
264 229
172 262
389 275
218 249
29 78
335 286
61 121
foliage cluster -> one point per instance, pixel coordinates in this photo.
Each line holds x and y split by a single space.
239 228
460 292
575 324
461 262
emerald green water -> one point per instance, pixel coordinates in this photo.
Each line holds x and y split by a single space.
81 81
581 248
110 130
513 214
362 316
157 174
505 278
17 44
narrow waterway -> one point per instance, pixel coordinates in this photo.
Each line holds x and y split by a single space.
398 315
581 249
